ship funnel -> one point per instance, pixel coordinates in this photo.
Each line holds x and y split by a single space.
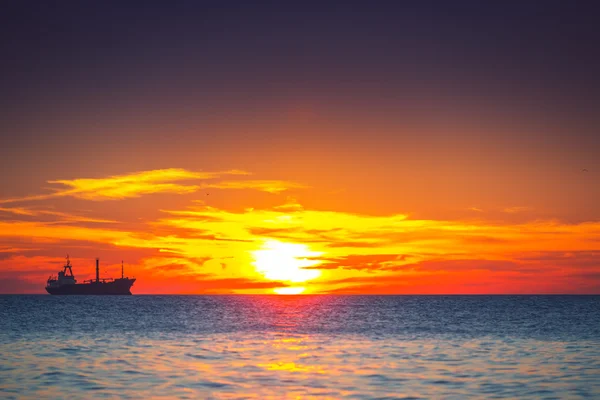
97 270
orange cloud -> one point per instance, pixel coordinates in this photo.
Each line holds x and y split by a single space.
16 249
370 262
37 230
62 216
129 185
270 186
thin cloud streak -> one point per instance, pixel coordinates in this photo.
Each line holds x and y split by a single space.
269 186
131 185
63 216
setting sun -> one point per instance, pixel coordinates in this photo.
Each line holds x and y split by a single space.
290 290
286 262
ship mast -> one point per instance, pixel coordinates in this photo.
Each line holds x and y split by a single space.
122 275
68 266
97 270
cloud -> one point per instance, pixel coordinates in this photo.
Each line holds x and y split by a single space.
339 233
136 184
14 250
62 216
291 205
7 252
368 262
494 279
290 234
18 211
576 259
129 185
218 285
270 186
166 265
355 244
39 232
461 265
525 272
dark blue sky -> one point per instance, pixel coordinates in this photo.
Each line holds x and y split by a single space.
102 54
532 54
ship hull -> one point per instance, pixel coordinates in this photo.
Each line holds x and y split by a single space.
117 287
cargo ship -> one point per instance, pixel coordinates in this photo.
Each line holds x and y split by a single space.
65 283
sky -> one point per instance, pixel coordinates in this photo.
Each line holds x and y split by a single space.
426 147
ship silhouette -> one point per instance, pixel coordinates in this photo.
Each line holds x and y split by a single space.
66 284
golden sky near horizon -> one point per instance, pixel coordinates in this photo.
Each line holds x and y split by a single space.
185 231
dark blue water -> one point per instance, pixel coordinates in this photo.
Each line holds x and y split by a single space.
300 346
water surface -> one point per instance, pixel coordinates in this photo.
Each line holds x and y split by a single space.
300 347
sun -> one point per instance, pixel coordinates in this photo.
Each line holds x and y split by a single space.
290 290
286 262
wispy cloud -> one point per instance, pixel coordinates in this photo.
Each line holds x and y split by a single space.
61 216
369 262
16 249
39 231
129 185
270 186
18 211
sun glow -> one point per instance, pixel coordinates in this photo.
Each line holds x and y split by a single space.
290 290
286 262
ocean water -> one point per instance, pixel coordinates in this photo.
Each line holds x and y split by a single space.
356 347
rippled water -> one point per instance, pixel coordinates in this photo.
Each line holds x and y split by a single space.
300 346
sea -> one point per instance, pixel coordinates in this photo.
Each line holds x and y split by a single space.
296 347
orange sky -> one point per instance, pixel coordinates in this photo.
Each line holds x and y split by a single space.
230 231
389 147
